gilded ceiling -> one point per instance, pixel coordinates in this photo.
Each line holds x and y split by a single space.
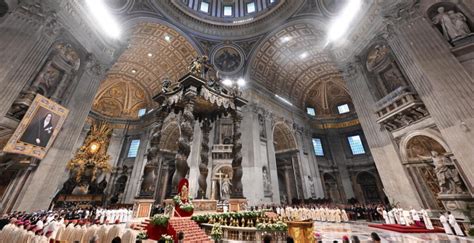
155 52
292 63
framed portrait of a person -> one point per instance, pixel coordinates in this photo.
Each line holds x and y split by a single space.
37 130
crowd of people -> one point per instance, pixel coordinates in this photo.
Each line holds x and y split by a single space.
74 225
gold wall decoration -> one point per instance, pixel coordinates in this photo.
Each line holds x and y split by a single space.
92 156
38 128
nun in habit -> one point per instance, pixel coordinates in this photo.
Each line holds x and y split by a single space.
39 132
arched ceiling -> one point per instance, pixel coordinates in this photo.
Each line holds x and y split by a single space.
283 137
155 52
292 63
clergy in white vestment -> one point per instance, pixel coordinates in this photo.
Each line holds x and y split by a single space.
416 217
426 219
391 217
444 222
385 216
454 224
407 218
345 218
338 217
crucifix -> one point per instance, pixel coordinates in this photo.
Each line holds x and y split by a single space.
219 176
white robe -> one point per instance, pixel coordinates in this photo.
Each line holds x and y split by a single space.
455 225
414 215
426 219
391 217
406 217
385 216
444 222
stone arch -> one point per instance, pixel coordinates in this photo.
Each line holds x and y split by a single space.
282 132
368 185
429 133
331 187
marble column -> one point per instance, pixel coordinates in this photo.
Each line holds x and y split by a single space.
444 85
398 188
27 35
46 180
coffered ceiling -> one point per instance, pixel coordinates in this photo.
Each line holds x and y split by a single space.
292 63
155 52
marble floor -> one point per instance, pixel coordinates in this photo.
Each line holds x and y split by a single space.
330 232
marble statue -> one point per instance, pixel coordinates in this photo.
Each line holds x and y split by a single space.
448 179
267 185
453 24
165 85
225 187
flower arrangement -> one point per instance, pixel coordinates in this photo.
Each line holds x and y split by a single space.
167 238
142 236
160 220
278 226
216 232
187 207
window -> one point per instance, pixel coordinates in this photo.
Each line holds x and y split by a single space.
272 1
310 111
141 112
318 147
343 109
133 149
356 145
204 7
250 7
227 10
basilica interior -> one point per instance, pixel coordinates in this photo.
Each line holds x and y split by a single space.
266 102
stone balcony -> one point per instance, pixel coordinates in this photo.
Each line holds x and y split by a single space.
400 108
222 151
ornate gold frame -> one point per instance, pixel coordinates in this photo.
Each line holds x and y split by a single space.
14 145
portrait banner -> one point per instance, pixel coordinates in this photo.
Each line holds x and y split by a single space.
37 130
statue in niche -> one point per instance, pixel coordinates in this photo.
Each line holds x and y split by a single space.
376 56
448 178
453 24
267 185
225 188
261 122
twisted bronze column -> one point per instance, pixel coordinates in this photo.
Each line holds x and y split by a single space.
237 157
203 170
148 186
185 139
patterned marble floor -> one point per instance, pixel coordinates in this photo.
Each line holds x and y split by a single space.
335 231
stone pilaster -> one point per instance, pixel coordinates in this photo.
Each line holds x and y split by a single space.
384 151
272 166
443 84
46 180
334 140
27 35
